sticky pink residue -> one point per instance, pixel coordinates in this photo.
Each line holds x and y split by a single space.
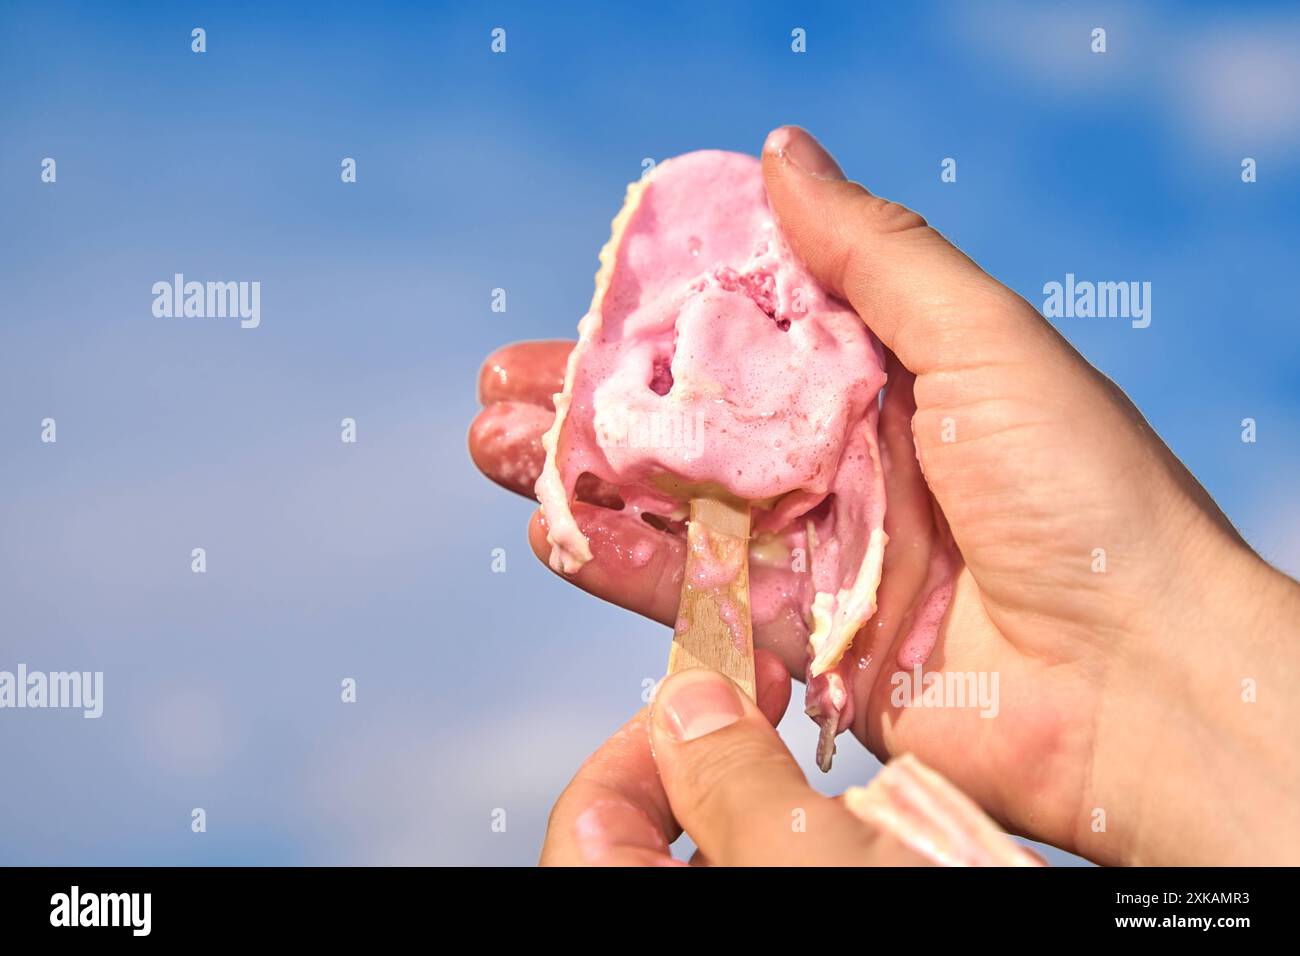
924 634
927 616
710 567
731 616
641 553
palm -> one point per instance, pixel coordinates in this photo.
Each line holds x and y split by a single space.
1039 742
1049 478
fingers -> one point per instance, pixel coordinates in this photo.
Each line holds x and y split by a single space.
707 757
921 295
994 382
738 792
909 517
771 685
524 372
505 442
516 385
615 812
632 564
910 525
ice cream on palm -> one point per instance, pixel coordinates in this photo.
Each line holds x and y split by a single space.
711 362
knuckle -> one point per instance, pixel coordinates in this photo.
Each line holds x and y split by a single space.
889 217
864 219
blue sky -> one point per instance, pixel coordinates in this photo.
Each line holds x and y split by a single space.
477 690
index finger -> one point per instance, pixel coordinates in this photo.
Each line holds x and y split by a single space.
615 812
524 372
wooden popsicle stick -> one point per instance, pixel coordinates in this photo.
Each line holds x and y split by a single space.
713 626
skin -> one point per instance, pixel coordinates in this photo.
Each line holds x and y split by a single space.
1124 732
734 786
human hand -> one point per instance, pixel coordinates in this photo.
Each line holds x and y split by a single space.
1121 690
704 758
1118 690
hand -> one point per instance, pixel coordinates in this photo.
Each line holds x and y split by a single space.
705 758
1120 690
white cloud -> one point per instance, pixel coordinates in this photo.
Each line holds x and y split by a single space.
1228 81
1241 86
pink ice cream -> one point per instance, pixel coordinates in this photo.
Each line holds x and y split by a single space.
710 359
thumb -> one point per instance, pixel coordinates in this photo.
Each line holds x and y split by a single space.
734 787
921 295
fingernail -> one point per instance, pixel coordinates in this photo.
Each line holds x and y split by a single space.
933 817
798 147
696 702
